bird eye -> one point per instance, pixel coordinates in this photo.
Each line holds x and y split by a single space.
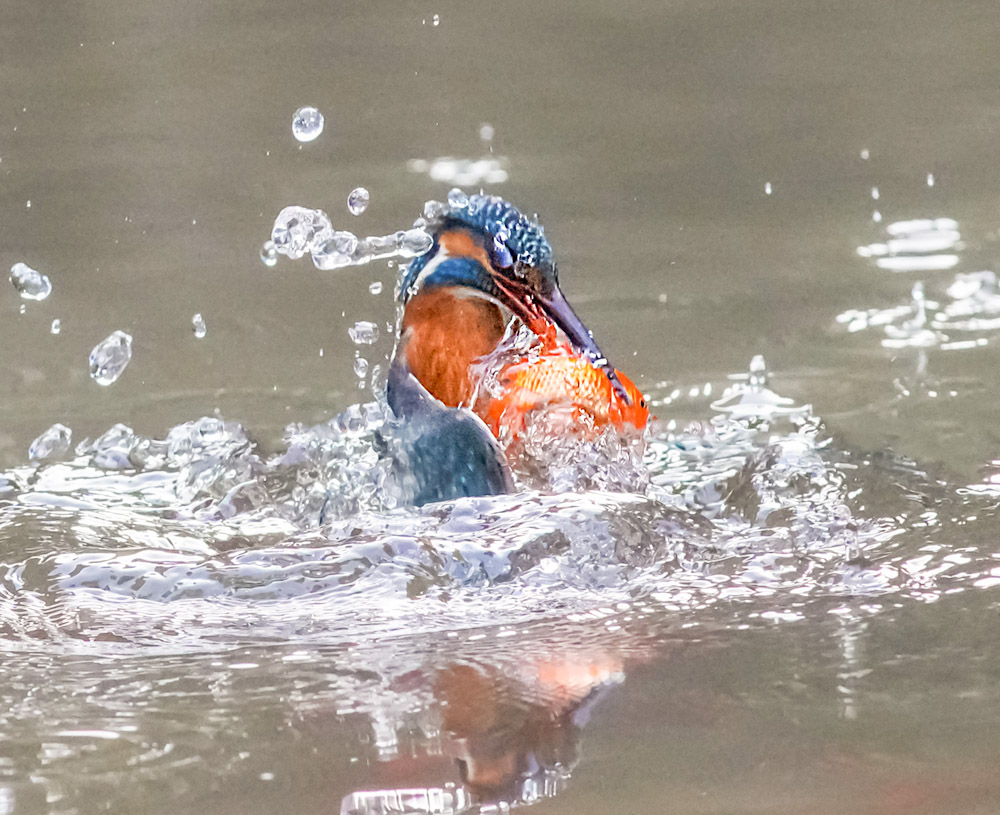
500 255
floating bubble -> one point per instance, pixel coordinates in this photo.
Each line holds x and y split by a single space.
767 188
436 20
865 154
357 201
930 179
298 230
56 326
198 324
31 285
375 287
53 443
364 333
486 132
110 357
268 254
307 124
875 193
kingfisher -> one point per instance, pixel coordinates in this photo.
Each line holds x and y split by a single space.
488 265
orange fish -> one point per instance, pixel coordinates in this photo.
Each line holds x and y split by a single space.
561 377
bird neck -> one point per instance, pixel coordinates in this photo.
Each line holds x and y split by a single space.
444 331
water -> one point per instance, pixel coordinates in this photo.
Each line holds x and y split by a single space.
769 612
30 284
53 443
110 357
307 124
297 230
198 326
357 201
269 254
363 332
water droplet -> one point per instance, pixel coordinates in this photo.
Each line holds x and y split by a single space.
198 324
110 357
414 242
53 443
361 367
865 154
357 201
436 20
458 199
486 132
339 250
375 287
767 188
434 210
56 326
268 254
877 217
298 230
875 193
31 285
930 179
364 333
28 205
22 309
307 124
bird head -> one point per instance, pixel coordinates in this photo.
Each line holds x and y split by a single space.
487 247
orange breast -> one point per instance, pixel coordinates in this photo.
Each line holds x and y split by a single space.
443 334
561 377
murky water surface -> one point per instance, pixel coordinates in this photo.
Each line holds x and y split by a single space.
779 218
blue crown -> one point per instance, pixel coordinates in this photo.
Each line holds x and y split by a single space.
489 215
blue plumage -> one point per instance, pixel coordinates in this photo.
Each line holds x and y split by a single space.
509 235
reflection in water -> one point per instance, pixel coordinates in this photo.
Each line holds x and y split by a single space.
509 737
917 246
968 313
462 172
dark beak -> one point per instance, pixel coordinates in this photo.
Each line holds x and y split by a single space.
539 310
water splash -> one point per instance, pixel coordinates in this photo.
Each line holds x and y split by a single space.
110 357
298 230
357 201
198 326
268 253
53 443
363 333
751 398
30 284
307 124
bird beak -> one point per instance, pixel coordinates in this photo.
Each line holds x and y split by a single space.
541 310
